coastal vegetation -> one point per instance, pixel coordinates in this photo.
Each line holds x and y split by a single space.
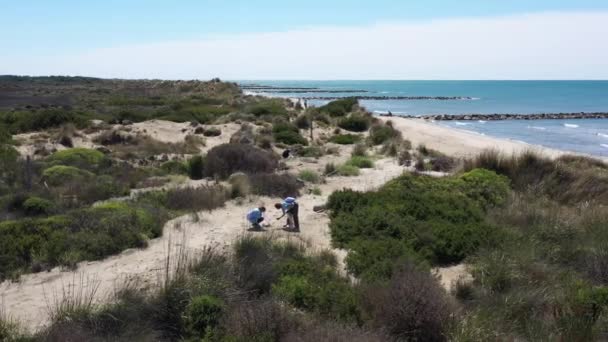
91 174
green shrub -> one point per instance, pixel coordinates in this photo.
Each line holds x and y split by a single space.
212 132
345 139
339 107
438 220
35 206
61 174
273 107
355 123
27 121
83 158
379 134
312 152
175 167
287 133
302 122
348 170
290 138
195 167
224 160
360 162
203 314
309 176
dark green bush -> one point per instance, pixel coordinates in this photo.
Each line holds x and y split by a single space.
224 160
212 132
175 167
439 220
203 314
302 122
86 234
355 123
339 107
35 206
22 122
195 167
287 133
379 134
273 107
345 139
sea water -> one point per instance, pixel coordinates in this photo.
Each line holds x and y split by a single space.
487 97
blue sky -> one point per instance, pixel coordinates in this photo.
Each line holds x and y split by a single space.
32 29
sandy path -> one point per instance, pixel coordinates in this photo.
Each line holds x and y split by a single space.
459 143
29 299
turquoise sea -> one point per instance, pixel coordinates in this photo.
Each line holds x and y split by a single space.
483 97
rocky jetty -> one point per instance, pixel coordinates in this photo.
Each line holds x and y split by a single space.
496 117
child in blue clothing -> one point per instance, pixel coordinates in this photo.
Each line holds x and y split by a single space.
256 217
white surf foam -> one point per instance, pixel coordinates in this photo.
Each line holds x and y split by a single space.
604 145
462 123
602 135
482 121
570 125
537 128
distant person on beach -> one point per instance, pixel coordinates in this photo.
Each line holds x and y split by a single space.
256 217
290 207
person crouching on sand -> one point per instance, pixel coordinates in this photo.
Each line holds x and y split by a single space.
256 217
290 207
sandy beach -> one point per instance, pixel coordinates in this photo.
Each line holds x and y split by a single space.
459 143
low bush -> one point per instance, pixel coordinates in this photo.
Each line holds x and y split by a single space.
568 180
82 158
443 164
271 107
28 121
379 134
355 123
302 122
85 234
271 184
203 314
195 167
439 220
345 139
212 132
412 307
309 176
339 107
287 133
61 174
224 160
330 169
36 206
311 152
175 167
240 185
360 162
348 170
